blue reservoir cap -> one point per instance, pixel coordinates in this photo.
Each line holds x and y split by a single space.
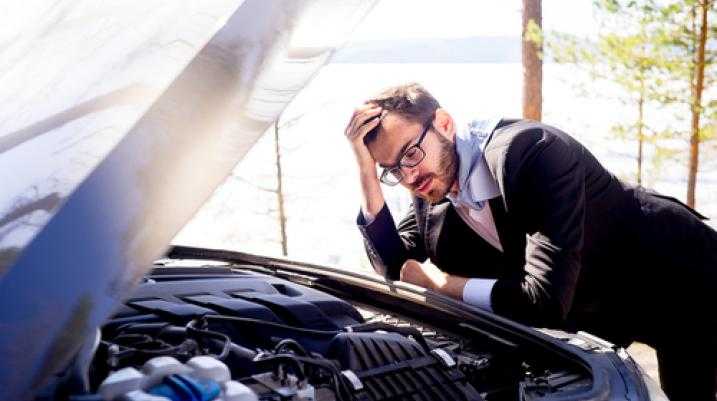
179 387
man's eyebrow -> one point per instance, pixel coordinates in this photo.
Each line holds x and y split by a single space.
400 153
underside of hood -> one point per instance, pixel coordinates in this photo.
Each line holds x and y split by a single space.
132 115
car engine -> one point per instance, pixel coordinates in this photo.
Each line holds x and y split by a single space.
256 337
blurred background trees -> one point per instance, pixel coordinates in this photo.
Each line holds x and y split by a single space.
532 58
660 57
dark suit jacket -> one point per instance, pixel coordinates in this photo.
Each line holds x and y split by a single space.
580 247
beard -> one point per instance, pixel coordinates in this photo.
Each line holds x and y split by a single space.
447 170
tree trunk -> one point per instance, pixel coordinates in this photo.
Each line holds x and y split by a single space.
532 63
280 191
640 135
696 106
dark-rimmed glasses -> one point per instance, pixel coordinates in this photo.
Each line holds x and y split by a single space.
411 157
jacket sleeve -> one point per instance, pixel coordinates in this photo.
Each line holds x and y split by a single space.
543 180
387 246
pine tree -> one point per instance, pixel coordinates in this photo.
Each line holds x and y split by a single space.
532 60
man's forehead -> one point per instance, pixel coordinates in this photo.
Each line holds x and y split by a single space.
395 132
393 122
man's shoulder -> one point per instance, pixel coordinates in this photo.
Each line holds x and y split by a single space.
511 134
521 135
516 144
512 129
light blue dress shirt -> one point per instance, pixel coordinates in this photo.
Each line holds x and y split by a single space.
476 185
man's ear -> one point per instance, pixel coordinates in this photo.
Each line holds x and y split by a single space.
444 124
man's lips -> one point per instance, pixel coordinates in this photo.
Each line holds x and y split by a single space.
423 185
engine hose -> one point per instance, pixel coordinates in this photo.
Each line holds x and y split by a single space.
411 332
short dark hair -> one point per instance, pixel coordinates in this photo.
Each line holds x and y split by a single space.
411 101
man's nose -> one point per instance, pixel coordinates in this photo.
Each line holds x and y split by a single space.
410 174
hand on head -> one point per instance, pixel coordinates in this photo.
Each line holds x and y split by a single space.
364 119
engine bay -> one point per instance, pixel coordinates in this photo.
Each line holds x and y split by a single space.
256 337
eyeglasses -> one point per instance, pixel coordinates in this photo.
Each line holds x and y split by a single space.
411 157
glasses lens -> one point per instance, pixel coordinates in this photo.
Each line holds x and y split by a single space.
391 176
413 156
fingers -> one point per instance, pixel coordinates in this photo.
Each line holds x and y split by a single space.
411 264
412 272
364 119
359 120
424 275
359 114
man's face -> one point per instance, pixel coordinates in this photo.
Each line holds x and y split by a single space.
435 175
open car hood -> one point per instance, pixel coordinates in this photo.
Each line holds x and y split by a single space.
132 115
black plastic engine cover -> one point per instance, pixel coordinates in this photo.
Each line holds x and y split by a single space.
389 365
247 295
392 367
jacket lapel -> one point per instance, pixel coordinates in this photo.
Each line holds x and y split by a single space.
511 237
436 216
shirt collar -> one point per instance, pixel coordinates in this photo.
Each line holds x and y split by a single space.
476 184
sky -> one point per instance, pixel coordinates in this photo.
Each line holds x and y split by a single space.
465 18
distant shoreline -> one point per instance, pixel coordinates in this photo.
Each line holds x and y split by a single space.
477 49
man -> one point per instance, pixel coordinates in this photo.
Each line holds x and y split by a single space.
520 219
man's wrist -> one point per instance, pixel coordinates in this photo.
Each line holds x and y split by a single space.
373 200
368 170
368 218
452 286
